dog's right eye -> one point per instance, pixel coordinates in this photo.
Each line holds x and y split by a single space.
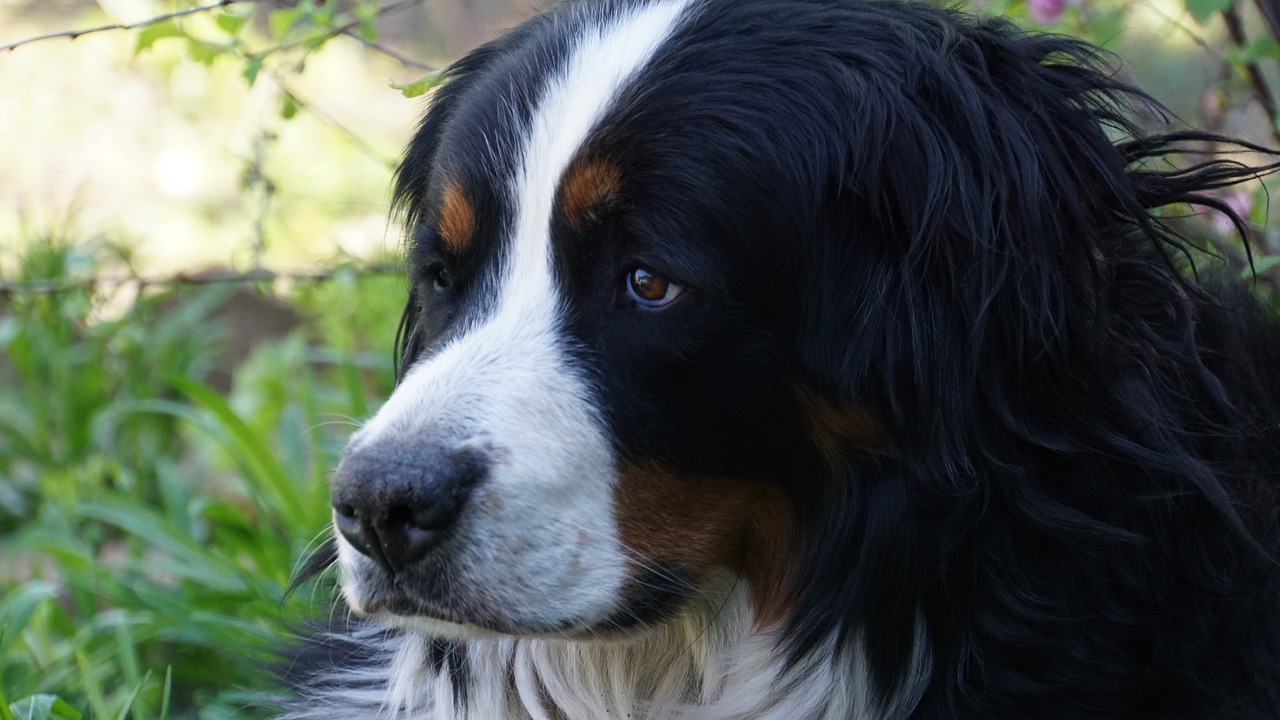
440 276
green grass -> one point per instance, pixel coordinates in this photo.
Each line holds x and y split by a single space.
149 525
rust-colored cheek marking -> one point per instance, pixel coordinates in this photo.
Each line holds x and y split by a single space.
838 430
705 523
457 218
586 188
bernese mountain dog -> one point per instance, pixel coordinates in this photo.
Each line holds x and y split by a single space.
809 360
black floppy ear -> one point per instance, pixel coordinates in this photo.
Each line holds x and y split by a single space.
976 188
415 179
996 229
408 339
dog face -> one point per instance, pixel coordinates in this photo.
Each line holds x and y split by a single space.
744 291
598 404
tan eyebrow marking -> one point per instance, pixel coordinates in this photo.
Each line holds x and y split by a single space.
457 218
586 187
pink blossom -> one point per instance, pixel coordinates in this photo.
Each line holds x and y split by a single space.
1240 203
1046 12
1212 104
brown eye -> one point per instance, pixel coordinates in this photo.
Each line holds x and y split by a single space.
651 289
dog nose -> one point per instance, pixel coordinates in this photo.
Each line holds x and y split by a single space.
395 506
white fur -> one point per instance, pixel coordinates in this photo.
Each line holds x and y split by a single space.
708 664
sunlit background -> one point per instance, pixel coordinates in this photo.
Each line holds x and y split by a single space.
174 157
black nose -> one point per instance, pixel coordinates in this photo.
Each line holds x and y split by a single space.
395 506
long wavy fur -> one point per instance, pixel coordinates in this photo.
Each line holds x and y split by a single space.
1085 424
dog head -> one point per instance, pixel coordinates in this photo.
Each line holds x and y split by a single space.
696 285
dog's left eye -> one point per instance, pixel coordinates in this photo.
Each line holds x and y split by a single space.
650 289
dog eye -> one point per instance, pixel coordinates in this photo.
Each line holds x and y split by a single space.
650 289
441 278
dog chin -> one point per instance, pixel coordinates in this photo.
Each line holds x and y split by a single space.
432 626
397 611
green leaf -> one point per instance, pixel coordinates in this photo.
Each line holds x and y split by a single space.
1260 49
369 29
251 70
266 474
422 85
17 607
1265 263
168 688
204 53
289 107
148 35
133 697
368 14
192 560
1202 10
92 685
282 21
230 23
43 707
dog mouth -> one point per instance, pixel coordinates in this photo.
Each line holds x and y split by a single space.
393 605
651 597
424 594
400 609
428 600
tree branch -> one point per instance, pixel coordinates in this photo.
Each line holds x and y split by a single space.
391 53
1235 29
1270 10
54 287
344 29
74 34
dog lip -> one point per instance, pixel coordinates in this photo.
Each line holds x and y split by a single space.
392 604
400 604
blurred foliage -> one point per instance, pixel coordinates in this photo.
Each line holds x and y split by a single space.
149 525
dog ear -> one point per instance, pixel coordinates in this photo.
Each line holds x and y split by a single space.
990 231
415 191
998 289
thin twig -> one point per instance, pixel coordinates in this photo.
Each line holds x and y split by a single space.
350 135
1192 34
390 52
74 34
1270 10
1235 30
182 279
343 29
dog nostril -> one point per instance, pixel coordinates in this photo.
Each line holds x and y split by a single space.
347 522
407 534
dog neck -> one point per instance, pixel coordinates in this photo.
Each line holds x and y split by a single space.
709 663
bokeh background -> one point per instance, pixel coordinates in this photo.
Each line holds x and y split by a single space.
199 291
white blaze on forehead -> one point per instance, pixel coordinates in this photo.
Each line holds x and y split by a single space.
605 58
538 542
606 54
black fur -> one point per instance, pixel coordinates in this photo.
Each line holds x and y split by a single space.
957 228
